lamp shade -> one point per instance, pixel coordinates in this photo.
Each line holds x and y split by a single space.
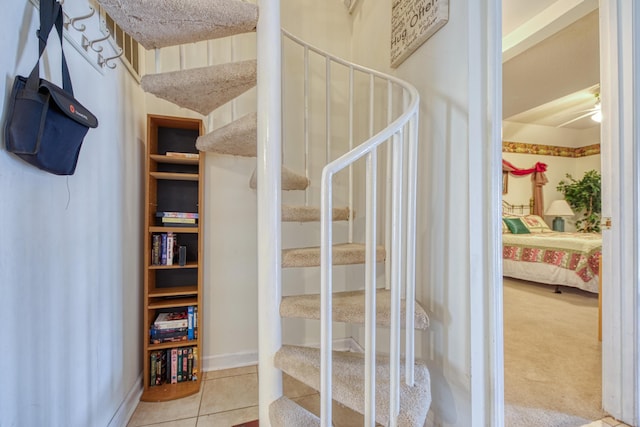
559 208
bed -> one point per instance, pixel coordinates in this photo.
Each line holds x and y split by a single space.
532 251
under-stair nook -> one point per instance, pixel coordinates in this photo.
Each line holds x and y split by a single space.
343 164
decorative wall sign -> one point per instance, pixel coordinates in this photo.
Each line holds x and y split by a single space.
412 23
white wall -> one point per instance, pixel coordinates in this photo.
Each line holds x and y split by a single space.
439 70
70 267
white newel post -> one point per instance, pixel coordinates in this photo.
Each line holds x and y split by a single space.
269 203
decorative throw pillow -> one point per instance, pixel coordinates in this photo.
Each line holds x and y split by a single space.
505 229
516 225
536 224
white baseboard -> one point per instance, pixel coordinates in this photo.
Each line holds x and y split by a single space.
230 360
248 358
128 406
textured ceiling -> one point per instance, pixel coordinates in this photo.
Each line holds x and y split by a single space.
555 80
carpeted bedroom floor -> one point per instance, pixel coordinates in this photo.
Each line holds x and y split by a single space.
552 356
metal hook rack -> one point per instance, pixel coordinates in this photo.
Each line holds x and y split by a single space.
81 28
102 61
88 37
86 43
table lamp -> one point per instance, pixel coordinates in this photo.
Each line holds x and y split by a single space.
559 208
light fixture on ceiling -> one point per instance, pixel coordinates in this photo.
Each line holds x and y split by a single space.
597 114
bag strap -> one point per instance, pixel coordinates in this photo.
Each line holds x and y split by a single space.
50 14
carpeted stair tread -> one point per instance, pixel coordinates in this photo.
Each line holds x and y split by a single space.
293 213
286 413
289 180
156 24
349 307
203 89
343 254
238 138
303 363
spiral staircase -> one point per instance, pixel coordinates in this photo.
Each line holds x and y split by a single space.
368 383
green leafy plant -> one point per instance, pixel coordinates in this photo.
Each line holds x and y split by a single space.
584 198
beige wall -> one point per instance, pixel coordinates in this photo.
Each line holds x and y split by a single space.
520 187
439 71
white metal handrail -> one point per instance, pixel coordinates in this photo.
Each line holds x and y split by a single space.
401 134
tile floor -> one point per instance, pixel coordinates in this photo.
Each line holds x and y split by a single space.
606 422
229 397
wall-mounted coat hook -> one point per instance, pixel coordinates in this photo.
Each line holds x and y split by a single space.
80 27
102 61
86 43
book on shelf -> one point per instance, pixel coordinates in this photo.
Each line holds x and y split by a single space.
190 364
158 367
168 332
179 338
159 336
179 222
171 320
194 371
164 248
185 364
182 155
153 368
174 365
169 249
155 249
171 214
191 313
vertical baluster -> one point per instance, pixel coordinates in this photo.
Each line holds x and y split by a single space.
158 64
306 122
396 275
351 101
232 54
387 204
328 110
326 290
210 56
370 289
412 175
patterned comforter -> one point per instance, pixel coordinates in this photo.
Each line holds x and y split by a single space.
579 252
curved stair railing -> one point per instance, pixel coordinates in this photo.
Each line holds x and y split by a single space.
400 135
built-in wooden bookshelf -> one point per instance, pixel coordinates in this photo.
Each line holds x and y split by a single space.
174 186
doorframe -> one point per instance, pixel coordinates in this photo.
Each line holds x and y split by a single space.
620 94
619 65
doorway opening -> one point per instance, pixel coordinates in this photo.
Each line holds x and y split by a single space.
552 354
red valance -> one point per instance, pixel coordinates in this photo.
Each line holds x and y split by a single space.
538 180
538 167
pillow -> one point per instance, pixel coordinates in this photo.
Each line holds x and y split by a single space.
505 229
535 224
516 225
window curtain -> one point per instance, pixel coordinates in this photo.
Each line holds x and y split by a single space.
538 180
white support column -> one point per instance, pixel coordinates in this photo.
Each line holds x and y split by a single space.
269 203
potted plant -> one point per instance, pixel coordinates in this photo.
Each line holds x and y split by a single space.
584 198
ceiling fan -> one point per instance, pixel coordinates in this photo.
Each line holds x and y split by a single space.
594 112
